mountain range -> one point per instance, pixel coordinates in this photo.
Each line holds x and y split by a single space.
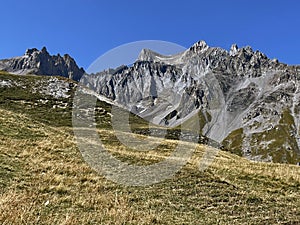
244 100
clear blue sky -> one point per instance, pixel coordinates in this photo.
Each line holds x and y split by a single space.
88 28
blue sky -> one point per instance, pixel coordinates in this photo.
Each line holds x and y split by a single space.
86 29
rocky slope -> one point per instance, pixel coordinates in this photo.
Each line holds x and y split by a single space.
244 100
42 63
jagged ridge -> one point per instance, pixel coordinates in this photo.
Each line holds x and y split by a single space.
42 63
245 100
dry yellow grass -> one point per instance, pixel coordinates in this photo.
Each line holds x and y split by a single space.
44 180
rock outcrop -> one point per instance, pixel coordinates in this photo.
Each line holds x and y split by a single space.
244 100
42 63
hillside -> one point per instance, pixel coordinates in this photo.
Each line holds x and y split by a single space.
44 179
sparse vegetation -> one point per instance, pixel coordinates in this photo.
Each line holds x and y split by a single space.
282 145
234 141
44 179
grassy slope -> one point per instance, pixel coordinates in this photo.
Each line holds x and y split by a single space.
280 142
44 180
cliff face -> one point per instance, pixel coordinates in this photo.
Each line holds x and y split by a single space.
244 100
42 63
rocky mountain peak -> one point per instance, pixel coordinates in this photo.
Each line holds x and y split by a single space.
40 62
147 55
44 50
233 50
200 46
30 51
35 51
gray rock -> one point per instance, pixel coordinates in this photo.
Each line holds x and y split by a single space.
233 50
42 63
244 100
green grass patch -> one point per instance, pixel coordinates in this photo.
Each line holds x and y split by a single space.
234 141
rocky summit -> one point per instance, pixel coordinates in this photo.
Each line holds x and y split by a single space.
245 101
42 63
